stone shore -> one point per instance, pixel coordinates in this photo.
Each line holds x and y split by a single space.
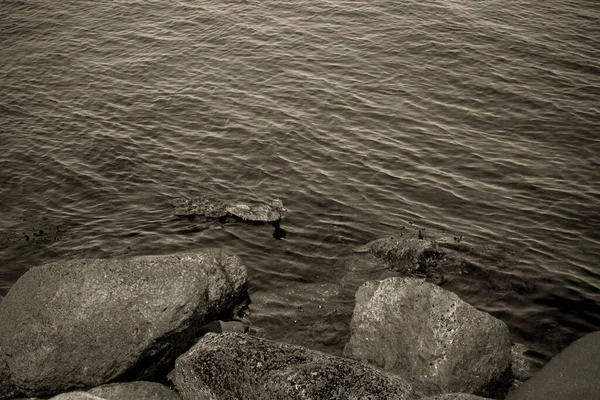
164 328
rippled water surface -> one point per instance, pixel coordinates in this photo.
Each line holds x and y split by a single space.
479 118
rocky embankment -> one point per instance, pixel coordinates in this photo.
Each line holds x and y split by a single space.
160 328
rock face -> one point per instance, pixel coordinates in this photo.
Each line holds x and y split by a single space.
430 337
572 374
82 323
7 389
232 366
134 391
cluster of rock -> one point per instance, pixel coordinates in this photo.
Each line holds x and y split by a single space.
112 329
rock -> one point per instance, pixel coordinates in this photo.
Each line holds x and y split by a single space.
522 367
83 323
134 391
456 396
76 396
430 337
411 256
233 366
7 388
573 374
244 210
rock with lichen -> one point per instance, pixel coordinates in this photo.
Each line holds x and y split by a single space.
232 366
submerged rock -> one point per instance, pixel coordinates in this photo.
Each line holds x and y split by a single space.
573 374
82 323
243 210
430 337
231 366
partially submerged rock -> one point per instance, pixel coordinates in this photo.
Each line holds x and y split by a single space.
412 254
430 337
573 374
82 323
134 391
76 396
250 211
231 366
522 367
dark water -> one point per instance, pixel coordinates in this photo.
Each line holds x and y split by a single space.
480 118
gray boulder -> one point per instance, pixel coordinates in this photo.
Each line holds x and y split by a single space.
573 374
83 323
430 337
134 391
232 366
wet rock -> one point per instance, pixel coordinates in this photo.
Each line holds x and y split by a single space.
456 396
411 255
134 391
232 366
573 374
243 210
83 323
430 337
522 367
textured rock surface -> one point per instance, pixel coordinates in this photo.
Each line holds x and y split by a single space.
572 374
76 396
456 396
245 210
134 391
232 366
82 323
7 389
522 367
410 256
429 336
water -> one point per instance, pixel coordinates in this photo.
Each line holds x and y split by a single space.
477 118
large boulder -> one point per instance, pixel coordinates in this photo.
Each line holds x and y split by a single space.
232 366
572 374
430 337
83 323
134 391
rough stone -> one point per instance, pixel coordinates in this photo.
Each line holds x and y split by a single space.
76 396
134 391
573 374
522 367
7 388
250 211
233 366
430 337
456 396
83 323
